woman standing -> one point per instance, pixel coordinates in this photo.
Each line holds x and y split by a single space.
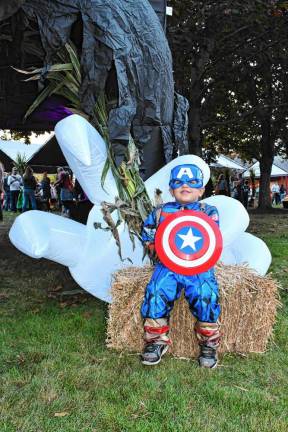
46 191
29 183
66 191
1 189
222 186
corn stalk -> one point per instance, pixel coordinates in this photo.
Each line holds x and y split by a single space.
20 163
64 79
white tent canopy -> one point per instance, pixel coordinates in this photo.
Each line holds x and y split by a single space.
225 162
11 148
276 171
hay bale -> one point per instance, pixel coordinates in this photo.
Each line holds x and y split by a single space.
248 303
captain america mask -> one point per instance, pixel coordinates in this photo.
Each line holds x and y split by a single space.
188 174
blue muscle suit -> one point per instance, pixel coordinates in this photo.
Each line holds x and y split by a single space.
165 286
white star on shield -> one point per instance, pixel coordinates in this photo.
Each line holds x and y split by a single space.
189 239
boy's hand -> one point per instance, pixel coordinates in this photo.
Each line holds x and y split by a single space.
150 247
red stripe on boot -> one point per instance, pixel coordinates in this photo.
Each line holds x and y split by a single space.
207 333
156 330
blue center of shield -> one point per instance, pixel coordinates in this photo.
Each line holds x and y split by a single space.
189 240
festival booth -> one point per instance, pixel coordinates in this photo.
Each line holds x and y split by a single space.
223 161
279 172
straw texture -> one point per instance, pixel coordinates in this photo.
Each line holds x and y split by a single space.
248 302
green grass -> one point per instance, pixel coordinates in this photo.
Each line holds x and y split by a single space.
54 360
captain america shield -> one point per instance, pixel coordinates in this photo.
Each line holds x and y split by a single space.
188 242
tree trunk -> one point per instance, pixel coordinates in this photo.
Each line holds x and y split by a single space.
266 162
200 62
194 130
264 187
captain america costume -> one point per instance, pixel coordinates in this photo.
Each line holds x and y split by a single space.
165 286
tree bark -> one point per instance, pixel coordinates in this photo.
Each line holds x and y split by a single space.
266 162
264 187
194 130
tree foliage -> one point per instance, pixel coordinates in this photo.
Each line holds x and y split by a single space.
7 135
230 60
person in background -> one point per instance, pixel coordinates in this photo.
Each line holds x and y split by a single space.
66 191
240 188
14 182
275 189
1 189
53 193
29 184
45 191
221 186
246 191
6 206
282 192
81 210
57 185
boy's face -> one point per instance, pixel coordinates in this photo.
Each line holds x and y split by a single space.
186 194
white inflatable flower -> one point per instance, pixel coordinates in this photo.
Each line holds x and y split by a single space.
91 254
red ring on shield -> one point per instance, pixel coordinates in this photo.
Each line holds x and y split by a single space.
183 263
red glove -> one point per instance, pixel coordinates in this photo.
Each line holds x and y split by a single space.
151 251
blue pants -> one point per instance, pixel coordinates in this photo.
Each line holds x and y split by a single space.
13 199
7 200
29 195
165 286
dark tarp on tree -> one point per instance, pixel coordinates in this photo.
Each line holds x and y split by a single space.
124 48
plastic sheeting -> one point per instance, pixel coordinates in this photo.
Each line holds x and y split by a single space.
91 254
8 8
124 47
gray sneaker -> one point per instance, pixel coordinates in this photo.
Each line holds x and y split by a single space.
208 357
153 353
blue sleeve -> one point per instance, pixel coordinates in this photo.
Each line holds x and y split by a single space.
149 228
212 212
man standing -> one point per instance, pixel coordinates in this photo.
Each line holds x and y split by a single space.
6 187
275 189
14 182
1 189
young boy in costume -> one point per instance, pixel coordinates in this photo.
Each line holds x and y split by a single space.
165 286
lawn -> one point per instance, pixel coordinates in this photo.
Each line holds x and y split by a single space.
58 376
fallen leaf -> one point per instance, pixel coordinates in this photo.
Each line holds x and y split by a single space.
240 388
61 414
3 297
87 315
57 288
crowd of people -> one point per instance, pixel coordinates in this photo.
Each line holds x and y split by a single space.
26 192
19 193
242 190
237 188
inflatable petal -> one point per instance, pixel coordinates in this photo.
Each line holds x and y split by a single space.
160 179
233 217
73 134
248 249
86 153
44 235
100 258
